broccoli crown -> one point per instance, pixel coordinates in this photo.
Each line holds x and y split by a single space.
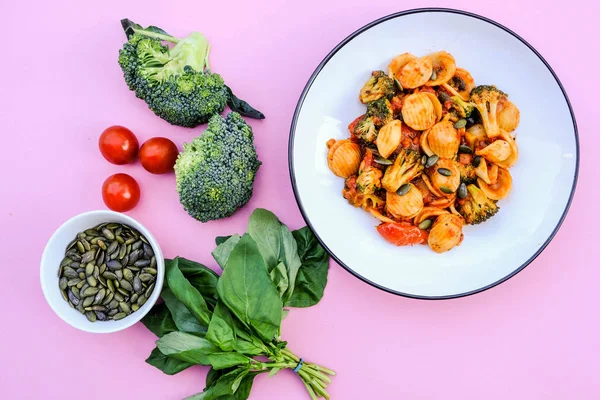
467 173
464 109
406 167
369 180
381 111
215 172
175 82
365 130
487 94
477 207
379 85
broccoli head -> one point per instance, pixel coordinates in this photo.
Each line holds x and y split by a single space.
365 130
477 207
467 173
463 108
406 167
175 82
369 180
486 98
215 172
380 111
379 85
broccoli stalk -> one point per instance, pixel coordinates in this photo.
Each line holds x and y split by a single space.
486 99
176 82
477 207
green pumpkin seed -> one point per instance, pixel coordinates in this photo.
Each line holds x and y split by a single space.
66 261
123 292
87 301
126 285
62 283
125 260
150 270
398 84
71 245
102 269
72 298
141 300
134 269
107 233
122 251
462 191
89 269
143 239
100 296
137 284
112 247
146 277
82 289
102 281
91 316
112 312
424 160
463 148
119 274
124 307
446 190
153 263
382 161
113 226
127 274
64 295
114 265
80 247
113 304
137 245
149 290
119 316
117 284
461 123
141 263
134 297
87 257
148 250
86 244
400 192
76 292
433 75
119 296
108 298
98 308
130 241
426 224
92 281
109 275
100 258
81 275
102 244
111 285
120 239
476 161
135 307
80 284
73 282
431 161
90 291
444 171
69 273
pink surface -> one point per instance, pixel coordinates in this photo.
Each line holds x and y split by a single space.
535 336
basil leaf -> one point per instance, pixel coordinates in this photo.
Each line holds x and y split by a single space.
245 386
201 277
214 374
280 278
224 386
289 255
166 364
159 320
242 107
221 330
186 347
186 293
249 348
312 276
246 289
221 239
221 253
227 360
182 317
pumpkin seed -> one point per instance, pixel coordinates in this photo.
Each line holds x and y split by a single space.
134 269
112 312
75 264
122 251
133 256
141 300
90 291
113 225
119 316
100 258
426 224
108 298
81 284
76 292
109 275
143 239
89 269
125 260
98 308
126 285
135 307
149 290
137 284
80 247
130 241
431 161
137 245
112 247
88 301
69 273
119 296
120 239
86 244
87 257
91 316
141 263
400 192
150 270
102 281
382 161
461 123
398 84
148 252
73 282
123 292
74 300
62 283
146 277
101 316
424 160
463 148
134 297
100 296
65 295
107 233
119 274
124 307
153 263
446 190
66 261
92 281
81 275
102 268
127 274
444 171
71 245
433 76
113 304
114 265
462 191
476 161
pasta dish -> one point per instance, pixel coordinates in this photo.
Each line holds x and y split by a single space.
431 153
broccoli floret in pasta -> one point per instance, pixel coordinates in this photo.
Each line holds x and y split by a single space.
486 99
477 207
379 85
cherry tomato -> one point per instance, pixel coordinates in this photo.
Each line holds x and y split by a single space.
118 145
120 192
402 233
158 155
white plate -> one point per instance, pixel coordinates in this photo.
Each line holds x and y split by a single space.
543 179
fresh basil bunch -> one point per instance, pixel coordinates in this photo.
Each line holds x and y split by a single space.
227 321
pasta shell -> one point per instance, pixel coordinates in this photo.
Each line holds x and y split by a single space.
389 138
343 158
424 144
429 212
493 173
437 106
497 151
500 189
440 181
398 62
444 67
443 202
415 73
508 116
443 139
418 111
482 171
379 216
406 206
474 135
514 155
460 84
446 233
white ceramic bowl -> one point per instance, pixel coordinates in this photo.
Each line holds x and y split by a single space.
544 178
55 252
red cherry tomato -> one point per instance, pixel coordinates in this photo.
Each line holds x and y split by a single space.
158 155
118 145
120 192
402 233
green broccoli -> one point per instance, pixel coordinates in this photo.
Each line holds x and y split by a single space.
486 99
406 167
467 173
381 111
215 172
477 207
365 130
379 85
175 82
463 108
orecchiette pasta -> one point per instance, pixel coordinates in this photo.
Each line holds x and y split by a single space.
430 154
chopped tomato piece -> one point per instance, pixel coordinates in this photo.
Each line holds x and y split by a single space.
353 124
464 158
402 233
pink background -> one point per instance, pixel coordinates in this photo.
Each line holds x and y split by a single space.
533 337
